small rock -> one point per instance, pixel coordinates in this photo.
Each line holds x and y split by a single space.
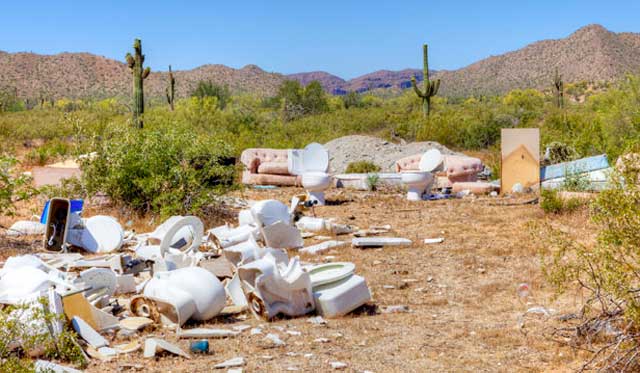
308 356
293 332
388 287
321 340
429 279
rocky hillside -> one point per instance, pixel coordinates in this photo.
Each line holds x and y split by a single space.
590 54
75 75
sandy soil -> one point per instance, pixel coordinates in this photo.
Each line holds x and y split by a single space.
463 308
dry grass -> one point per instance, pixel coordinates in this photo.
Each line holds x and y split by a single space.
463 305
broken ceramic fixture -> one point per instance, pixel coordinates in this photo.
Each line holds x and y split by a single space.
271 291
101 282
337 290
418 182
56 221
225 237
235 292
315 164
194 292
97 234
25 282
275 222
249 251
177 234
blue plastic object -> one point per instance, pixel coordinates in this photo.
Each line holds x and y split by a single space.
579 166
76 206
200 347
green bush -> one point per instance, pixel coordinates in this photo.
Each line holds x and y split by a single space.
552 203
27 329
362 167
606 273
14 185
168 170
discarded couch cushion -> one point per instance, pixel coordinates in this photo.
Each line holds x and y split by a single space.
276 168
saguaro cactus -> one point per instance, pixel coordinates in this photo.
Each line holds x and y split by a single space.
171 89
558 89
430 88
139 75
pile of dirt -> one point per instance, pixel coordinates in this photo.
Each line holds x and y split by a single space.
347 149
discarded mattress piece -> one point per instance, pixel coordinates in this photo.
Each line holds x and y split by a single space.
26 228
594 171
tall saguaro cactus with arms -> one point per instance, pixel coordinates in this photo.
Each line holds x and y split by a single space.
139 75
430 88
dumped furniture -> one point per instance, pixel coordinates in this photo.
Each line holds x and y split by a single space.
454 168
268 167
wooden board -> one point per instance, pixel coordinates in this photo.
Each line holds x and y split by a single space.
520 158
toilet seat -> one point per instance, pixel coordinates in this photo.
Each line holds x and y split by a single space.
431 161
315 158
327 273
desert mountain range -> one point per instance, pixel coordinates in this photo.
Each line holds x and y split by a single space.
592 53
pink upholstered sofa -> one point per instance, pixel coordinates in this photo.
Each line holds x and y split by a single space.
267 167
457 168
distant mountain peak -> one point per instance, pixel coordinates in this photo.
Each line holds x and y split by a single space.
592 53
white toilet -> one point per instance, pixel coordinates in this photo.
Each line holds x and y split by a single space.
315 164
419 181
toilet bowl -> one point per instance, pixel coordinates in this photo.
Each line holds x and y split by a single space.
420 180
416 182
315 164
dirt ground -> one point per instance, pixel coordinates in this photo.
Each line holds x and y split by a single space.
463 314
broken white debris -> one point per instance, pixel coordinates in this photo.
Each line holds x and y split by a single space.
293 332
135 323
323 246
207 333
317 320
255 331
26 228
396 309
379 241
338 365
152 346
321 340
241 328
275 340
433 240
42 366
87 333
231 363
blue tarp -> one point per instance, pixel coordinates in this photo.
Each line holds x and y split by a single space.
76 206
580 166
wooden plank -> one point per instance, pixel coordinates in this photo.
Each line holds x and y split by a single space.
520 158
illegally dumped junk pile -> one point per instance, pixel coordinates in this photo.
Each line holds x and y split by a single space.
179 272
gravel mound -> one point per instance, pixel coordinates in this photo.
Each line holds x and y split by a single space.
347 149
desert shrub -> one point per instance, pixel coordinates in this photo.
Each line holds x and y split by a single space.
210 89
351 100
27 329
606 272
165 170
362 167
552 203
14 185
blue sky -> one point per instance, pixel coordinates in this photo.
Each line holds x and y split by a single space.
346 38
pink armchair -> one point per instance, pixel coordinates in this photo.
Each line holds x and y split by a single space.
267 167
